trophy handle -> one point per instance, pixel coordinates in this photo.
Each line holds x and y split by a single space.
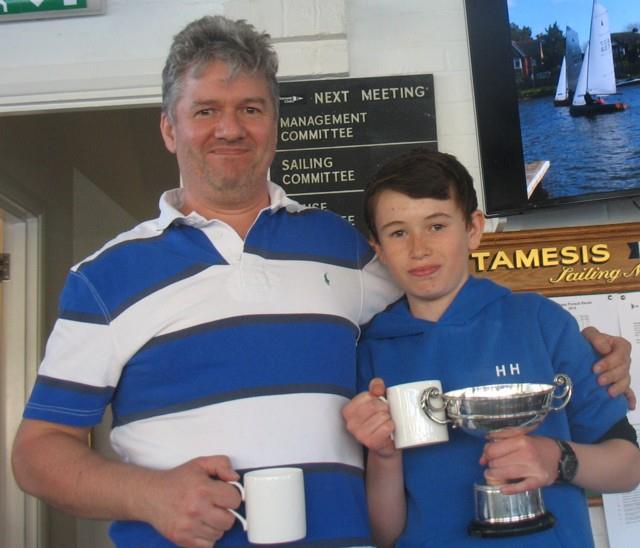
562 381
429 409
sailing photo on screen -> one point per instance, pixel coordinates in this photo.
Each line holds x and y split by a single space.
577 73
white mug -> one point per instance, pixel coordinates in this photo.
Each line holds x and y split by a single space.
412 426
274 505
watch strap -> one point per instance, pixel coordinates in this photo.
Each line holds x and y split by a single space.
568 463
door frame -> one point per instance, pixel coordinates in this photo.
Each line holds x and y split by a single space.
20 353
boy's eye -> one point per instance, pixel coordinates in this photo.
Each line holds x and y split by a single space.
437 227
397 234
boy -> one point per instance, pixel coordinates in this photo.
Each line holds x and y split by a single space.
421 210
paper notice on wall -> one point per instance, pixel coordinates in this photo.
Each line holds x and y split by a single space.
600 311
622 510
629 314
616 314
622 514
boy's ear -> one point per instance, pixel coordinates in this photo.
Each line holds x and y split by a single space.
475 229
376 247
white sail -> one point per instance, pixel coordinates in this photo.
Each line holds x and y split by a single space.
596 73
581 86
570 69
601 78
573 57
562 89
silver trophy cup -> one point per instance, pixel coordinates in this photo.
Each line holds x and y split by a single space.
480 410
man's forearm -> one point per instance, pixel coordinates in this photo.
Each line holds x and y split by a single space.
185 504
62 470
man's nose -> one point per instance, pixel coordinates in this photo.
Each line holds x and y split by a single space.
229 127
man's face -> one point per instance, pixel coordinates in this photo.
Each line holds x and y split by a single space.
224 134
425 244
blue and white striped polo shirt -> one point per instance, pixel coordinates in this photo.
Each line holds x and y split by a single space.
205 344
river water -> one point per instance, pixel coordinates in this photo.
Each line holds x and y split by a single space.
587 154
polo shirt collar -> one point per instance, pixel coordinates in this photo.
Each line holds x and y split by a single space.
171 201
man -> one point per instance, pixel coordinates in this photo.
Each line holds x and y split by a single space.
222 333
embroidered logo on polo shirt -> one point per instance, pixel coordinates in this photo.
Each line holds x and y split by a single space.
326 279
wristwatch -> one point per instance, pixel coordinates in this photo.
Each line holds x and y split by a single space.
568 465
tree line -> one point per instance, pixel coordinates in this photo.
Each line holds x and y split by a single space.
551 43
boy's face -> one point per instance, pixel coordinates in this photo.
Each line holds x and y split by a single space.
425 244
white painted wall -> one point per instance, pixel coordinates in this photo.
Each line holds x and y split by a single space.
118 54
387 37
116 58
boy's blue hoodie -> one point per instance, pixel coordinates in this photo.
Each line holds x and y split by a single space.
488 335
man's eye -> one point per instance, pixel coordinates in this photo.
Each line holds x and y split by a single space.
252 110
204 112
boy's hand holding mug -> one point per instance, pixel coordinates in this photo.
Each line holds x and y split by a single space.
368 419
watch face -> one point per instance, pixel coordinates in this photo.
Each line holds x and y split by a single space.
569 468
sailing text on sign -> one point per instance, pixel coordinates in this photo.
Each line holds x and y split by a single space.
319 163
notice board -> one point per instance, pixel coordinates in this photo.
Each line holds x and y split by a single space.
593 272
334 134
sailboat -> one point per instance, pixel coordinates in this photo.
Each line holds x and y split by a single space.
570 69
597 76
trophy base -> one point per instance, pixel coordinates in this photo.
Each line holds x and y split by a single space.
521 527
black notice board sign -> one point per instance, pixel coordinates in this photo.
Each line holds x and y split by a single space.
334 134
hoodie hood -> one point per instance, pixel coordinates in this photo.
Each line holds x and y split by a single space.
397 320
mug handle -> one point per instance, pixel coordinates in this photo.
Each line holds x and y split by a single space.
430 409
383 399
238 516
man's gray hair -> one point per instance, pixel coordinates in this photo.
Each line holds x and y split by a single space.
216 38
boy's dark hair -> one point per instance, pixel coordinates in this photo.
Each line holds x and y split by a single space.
421 173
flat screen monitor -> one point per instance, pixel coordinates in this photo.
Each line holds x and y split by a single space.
534 152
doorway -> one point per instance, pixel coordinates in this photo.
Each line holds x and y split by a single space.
89 174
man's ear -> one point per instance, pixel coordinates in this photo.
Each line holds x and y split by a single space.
475 229
166 129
